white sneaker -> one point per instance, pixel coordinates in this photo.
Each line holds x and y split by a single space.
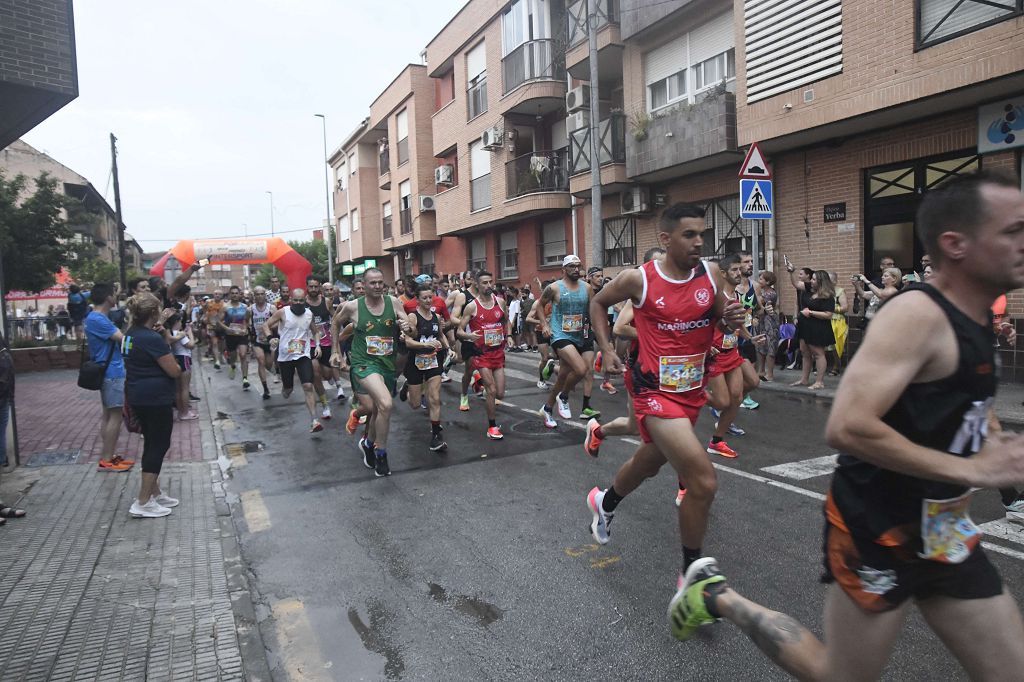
327 412
549 421
341 391
563 408
150 510
542 384
165 500
1016 509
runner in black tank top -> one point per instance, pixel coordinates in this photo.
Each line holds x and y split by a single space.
913 420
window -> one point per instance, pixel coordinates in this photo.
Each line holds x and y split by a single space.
386 220
940 20
668 90
508 256
725 232
341 176
353 161
707 53
225 282
343 228
526 47
477 254
480 176
402 123
405 207
427 261
552 243
476 80
355 219
620 241
711 72
444 89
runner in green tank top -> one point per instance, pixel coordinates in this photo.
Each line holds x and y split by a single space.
374 327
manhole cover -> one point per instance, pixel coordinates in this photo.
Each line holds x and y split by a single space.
245 447
535 427
45 459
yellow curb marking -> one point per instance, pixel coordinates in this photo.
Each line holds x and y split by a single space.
257 517
300 654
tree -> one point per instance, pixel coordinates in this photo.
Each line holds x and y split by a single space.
87 268
315 251
33 234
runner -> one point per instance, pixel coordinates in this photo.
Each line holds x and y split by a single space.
676 303
547 362
234 323
595 278
911 430
299 337
260 312
214 308
428 348
439 306
274 295
461 298
569 329
321 318
752 303
487 322
375 332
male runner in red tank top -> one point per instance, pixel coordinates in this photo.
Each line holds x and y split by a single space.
676 304
487 322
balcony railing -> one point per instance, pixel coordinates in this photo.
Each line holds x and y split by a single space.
385 161
612 144
405 221
533 60
387 227
542 171
577 20
480 192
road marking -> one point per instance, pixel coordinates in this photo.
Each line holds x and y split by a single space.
605 562
300 655
634 441
567 422
257 516
778 484
1004 529
1003 550
804 469
580 551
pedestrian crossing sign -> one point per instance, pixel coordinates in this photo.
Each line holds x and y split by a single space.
756 199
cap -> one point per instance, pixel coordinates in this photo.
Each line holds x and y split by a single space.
570 260
592 269
424 279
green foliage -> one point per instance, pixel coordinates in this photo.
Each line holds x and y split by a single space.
262 278
86 267
32 234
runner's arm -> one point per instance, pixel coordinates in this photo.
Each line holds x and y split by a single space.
547 296
729 310
627 285
462 333
531 314
272 322
624 328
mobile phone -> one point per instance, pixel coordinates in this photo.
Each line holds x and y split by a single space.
203 262
786 258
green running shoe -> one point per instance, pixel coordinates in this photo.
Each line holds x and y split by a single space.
464 403
589 413
688 610
549 367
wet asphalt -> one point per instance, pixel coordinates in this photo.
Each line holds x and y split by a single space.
478 563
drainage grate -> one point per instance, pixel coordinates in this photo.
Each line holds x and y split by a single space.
245 447
52 458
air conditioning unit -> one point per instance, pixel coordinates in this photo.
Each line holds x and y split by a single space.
635 200
444 175
426 202
577 120
492 139
578 98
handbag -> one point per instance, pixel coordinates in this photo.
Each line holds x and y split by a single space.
91 373
131 419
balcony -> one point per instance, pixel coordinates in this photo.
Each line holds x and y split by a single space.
385 161
683 139
609 42
533 60
576 25
405 221
386 227
540 171
612 144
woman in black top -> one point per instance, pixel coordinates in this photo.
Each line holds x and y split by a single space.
816 327
150 391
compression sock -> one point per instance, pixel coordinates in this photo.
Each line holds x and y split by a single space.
716 439
611 499
435 427
563 396
689 556
586 401
266 389
492 423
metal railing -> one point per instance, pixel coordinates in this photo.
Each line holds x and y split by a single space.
385 161
576 24
386 223
612 141
480 192
540 171
405 221
533 60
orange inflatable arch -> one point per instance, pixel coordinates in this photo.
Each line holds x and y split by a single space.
272 250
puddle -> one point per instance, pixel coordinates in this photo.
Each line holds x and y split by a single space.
374 637
222 415
51 458
479 610
243 448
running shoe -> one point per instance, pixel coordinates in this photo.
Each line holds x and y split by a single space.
231 372
1016 508
382 469
403 394
478 382
463 403
602 519
608 388
597 362
549 420
266 395
187 417
549 367
341 393
564 411
245 384
592 444
542 385
369 456
589 413
150 510
688 609
326 414
423 402
352 424
165 500
216 365
722 448
437 443
734 430
449 360
494 433
715 413
111 465
317 426
193 397
680 495
445 378
750 404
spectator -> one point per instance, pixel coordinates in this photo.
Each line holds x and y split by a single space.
104 341
816 328
179 337
150 391
800 282
884 263
876 295
840 328
51 323
78 308
63 321
6 396
768 325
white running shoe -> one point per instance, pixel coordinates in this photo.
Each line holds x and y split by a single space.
542 384
150 510
165 500
341 391
563 408
326 414
602 519
549 421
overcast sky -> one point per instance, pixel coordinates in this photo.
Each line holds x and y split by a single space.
213 103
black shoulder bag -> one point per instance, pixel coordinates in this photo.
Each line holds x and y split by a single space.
91 373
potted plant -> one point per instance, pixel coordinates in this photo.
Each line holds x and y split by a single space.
639 122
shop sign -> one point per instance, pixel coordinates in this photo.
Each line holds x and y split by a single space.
846 228
1001 125
346 270
835 213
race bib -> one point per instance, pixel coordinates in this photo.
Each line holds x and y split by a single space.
425 362
494 337
947 531
296 347
380 345
748 321
572 323
728 341
237 327
681 373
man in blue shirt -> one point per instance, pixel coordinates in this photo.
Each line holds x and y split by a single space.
105 347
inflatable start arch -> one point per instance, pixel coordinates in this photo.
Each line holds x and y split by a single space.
272 250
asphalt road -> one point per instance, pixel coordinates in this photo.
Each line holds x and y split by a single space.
478 564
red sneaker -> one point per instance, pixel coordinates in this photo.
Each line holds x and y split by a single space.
352 424
592 443
494 433
722 448
680 495
111 465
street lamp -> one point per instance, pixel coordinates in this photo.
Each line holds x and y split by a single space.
271 211
327 195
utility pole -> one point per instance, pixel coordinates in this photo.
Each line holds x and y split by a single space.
327 193
271 211
117 214
596 222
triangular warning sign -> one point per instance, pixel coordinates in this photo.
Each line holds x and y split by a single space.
756 202
754 166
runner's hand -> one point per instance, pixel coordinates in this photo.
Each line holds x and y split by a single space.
714 351
1000 463
316 352
611 362
473 337
759 339
734 314
275 342
336 361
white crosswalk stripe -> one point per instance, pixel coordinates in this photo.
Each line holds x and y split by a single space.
805 468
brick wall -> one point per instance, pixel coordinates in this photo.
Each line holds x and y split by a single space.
37 45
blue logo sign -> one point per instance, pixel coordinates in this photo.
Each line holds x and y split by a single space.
756 199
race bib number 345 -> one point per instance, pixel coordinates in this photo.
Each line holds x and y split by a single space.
680 373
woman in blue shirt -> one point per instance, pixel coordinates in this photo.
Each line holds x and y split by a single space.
150 392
